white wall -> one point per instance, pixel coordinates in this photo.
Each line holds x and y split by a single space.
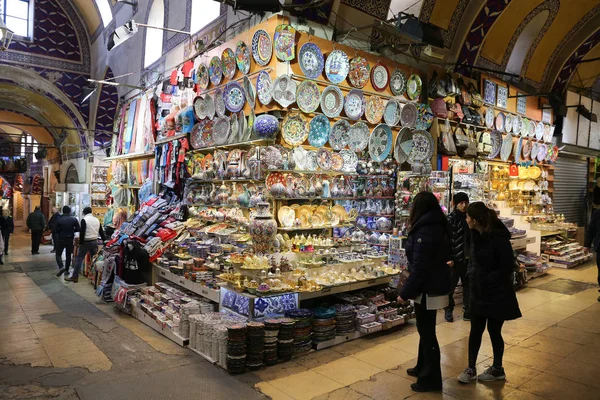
578 130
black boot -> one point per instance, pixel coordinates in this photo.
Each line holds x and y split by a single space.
60 272
449 316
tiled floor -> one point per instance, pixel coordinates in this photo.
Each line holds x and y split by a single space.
58 340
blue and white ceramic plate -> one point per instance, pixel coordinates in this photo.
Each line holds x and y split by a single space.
234 97
332 101
319 131
264 87
354 104
380 143
337 66
311 60
391 113
358 136
339 136
422 149
496 138
262 47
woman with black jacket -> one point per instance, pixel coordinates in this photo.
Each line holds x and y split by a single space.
493 299
428 252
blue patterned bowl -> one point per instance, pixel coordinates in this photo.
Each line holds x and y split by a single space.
266 126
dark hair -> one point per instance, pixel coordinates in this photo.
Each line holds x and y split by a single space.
87 210
67 210
423 203
482 214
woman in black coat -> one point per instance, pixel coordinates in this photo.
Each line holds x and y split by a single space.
493 299
428 252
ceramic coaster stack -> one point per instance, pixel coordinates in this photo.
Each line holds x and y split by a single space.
255 341
302 329
285 339
271 333
345 318
236 349
323 326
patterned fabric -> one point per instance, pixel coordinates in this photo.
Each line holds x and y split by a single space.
571 64
107 108
377 8
460 235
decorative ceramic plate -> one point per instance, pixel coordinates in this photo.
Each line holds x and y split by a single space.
262 48
517 123
391 113
221 130
350 160
403 146
542 152
532 129
339 136
337 161
539 131
380 143
524 127
265 126
202 76
508 123
249 92
360 71
496 137
215 70
518 147
319 131
526 151
311 60
374 109
489 117
337 66
398 82
354 104
500 121
219 103
332 101
413 86
286 216
308 96
285 42
199 108
209 103
408 116
324 159
273 178
506 148
295 129
547 136
264 87
555 151
243 126
228 62
284 90
423 147
424 117
311 162
358 136
380 77
234 127
242 57
234 97
535 147
196 135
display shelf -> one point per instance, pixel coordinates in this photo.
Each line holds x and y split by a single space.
170 138
201 290
240 145
376 215
330 173
140 315
346 287
312 228
219 206
351 336
551 233
305 198
521 243
227 180
132 156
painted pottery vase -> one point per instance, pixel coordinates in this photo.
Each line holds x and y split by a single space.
263 229
266 126
243 198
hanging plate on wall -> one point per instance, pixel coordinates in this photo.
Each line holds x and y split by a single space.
339 136
242 57
332 101
308 96
284 90
526 150
319 131
413 86
311 60
496 138
508 123
408 116
507 146
391 113
295 129
398 82
215 71
489 117
228 62
360 71
221 131
422 149
202 76
380 143
354 104
380 77
358 136
374 109
424 117
262 47
285 42
403 146
234 97
219 103
199 108
337 66
249 92
210 106
264 87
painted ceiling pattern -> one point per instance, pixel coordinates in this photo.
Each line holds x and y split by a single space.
107 107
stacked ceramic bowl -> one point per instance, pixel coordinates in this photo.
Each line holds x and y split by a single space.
271 333
236 349
323 326
302 329
345 318
255 342
285 339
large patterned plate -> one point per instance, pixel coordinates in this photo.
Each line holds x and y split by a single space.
215 71
337 161
311 162
202 76
422 149
542 152
374 109
242 57
249 127
295 129
506 149
391 113
555 151
524 127
319 131
249 92
539 131
489 117
409 114
547 136
337 66
350 160
535 147
201 134
403 146
262 48
500 121
199 108
234 97
324 159
424 117
398 82
311 60
332 101
358 136
284 90
354 104
360 71
308 96
496 138
243 125
517 123
264 87
234 127
518 148
380 143
508 123
209 103
413 86
532 128
526 150
228 62
285 42
221 131
219 103
380 77
339 136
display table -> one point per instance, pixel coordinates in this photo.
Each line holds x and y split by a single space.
139 314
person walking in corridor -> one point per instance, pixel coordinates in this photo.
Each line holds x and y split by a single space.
36 223
7 227
88 241
592 239
428 253
52 226
493 299
66 227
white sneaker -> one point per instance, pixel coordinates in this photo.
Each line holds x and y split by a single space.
468 375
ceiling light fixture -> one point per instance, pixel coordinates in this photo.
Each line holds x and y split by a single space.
111 83
126 31
88 91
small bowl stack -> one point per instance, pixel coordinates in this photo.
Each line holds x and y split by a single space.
285 339
323 326
255 341
271 333
236 349
302 329
345 318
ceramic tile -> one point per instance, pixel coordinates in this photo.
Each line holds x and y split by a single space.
269 390
576 371
384 356
587 354
347 370
568 335
305 385
553 387
530 358
384 386
550 345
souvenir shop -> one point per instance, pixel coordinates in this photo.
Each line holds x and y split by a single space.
263 198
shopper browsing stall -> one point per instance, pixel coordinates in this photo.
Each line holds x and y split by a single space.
88 240
428 253
7 227
493 299
66 227
592 239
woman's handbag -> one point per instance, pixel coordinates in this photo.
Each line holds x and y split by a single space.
460 139
436 89
476 99
464 97
471 150
446 143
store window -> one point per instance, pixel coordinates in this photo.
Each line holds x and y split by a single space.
28 145
203 13
154 37
105 11
18 17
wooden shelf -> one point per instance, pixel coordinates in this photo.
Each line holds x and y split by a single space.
248 144
170 138
132 156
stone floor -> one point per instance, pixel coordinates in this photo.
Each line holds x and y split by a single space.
58 341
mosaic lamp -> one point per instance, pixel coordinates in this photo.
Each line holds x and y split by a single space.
5 36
